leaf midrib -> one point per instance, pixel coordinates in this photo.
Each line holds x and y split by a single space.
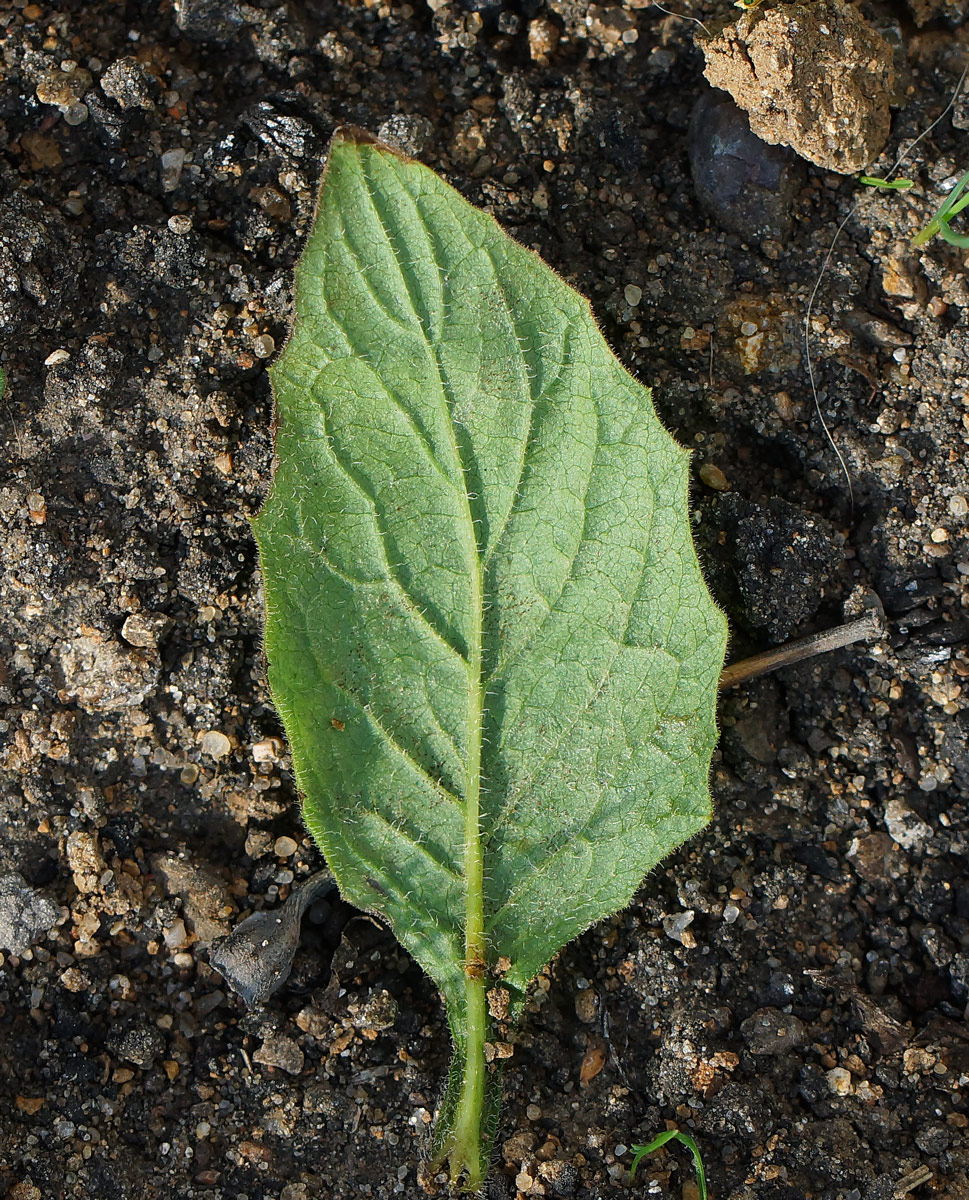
474 929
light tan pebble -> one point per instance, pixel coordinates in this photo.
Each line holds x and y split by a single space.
267 750
285 847
958 506
215 744
36 508
633 293
543 39
74 980
839 1081
714 478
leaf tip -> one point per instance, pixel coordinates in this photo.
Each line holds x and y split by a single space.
356 136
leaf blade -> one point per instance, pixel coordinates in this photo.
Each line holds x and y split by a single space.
488 635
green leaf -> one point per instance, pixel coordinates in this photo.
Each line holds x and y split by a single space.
669 1135
488 636
890 185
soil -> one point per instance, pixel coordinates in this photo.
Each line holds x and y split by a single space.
791 987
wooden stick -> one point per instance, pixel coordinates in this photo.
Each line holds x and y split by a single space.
865 629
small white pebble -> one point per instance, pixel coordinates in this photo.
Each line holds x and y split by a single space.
730 913
180 223
56 357
940 534
215 743
958 506
839 1081
176 935
266 750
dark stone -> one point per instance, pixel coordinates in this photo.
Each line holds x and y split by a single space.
771 1031
141 1045
208 20
747 186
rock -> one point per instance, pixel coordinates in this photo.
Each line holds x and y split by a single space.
409 134
677 928
144 629
815 77
130 83
747 186
85 860
288 136
141 1045
904 826
925 11
104 677
872 855
215 744
25 914
203 894
64 88
208 20
281 1052
839 1081
771 1031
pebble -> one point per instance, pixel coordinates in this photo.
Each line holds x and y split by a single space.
25 915
839 1081
175 935
905 827
746 186
180 223
633 293
130 83
215 744
141 1045
285 847
144 629
771 1031
543 40
267 750
36 508
675 927
171 164
281 1052
409 134
64 88
714 478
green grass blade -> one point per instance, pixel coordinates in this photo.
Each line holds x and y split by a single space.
640 1152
